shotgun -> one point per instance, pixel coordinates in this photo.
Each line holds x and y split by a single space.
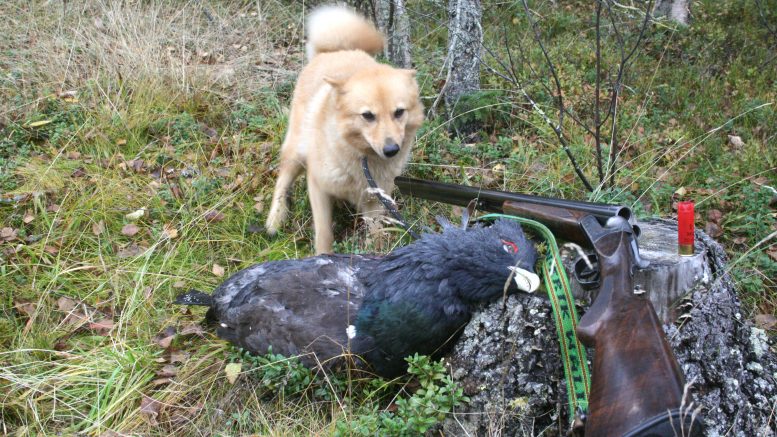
637 386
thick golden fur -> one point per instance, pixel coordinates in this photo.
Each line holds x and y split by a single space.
345 106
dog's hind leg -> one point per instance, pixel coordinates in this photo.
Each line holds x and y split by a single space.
289 170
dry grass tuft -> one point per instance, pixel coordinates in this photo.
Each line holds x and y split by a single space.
117 47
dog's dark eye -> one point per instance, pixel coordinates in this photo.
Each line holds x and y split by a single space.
369 116
399 113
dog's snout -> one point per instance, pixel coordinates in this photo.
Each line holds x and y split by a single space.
390 149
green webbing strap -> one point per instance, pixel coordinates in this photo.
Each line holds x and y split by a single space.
565 316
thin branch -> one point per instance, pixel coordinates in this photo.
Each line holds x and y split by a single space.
551 66
597 113
616 92
765 21
567 111
560 101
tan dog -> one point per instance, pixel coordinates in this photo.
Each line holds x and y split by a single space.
345 106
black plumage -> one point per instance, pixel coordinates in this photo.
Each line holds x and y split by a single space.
379 308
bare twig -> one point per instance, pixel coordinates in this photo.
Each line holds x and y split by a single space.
616 92
560 101
597 113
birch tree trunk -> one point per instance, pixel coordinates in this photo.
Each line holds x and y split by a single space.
392 20
676 10
465 39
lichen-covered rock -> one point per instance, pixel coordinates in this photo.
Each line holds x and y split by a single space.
508 362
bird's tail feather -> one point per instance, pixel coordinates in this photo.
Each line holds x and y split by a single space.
194 297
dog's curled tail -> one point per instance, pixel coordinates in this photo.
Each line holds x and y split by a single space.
333 28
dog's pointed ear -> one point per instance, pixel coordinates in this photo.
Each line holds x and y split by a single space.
334 82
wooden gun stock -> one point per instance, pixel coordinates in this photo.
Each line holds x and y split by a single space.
637 385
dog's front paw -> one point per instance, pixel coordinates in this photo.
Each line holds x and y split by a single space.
270 230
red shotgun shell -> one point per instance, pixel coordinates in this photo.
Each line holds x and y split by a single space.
685 228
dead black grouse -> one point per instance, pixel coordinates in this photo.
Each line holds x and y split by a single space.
378 308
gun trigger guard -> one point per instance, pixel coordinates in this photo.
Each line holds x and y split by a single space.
587 277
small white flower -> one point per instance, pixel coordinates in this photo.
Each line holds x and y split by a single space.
351 331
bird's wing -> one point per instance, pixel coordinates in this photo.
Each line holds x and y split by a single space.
295 306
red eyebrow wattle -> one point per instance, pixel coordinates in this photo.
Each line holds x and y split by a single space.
512 245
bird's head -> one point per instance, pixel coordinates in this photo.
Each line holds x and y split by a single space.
478 262
504 251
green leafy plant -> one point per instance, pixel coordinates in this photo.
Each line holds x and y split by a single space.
437 397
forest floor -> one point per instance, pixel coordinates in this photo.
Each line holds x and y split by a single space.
138 145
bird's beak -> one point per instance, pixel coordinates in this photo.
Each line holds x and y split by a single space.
524 279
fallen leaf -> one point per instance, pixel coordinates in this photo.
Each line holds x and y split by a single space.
51 250
259 207
130 251
235 184
218 270
179 284
121 142
192 328
130 230
102 326
214 216
161 381
52 208
73 155
136 165
78 173
8 234
28 217
39 123
740 240
179 356
766 321
681 192
167 371
75 319
715 216
736 141
209 131
98 228
165 338
176 191
24 307
713 230
169 231
233 371
70 94
149 409
66 304
135 215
